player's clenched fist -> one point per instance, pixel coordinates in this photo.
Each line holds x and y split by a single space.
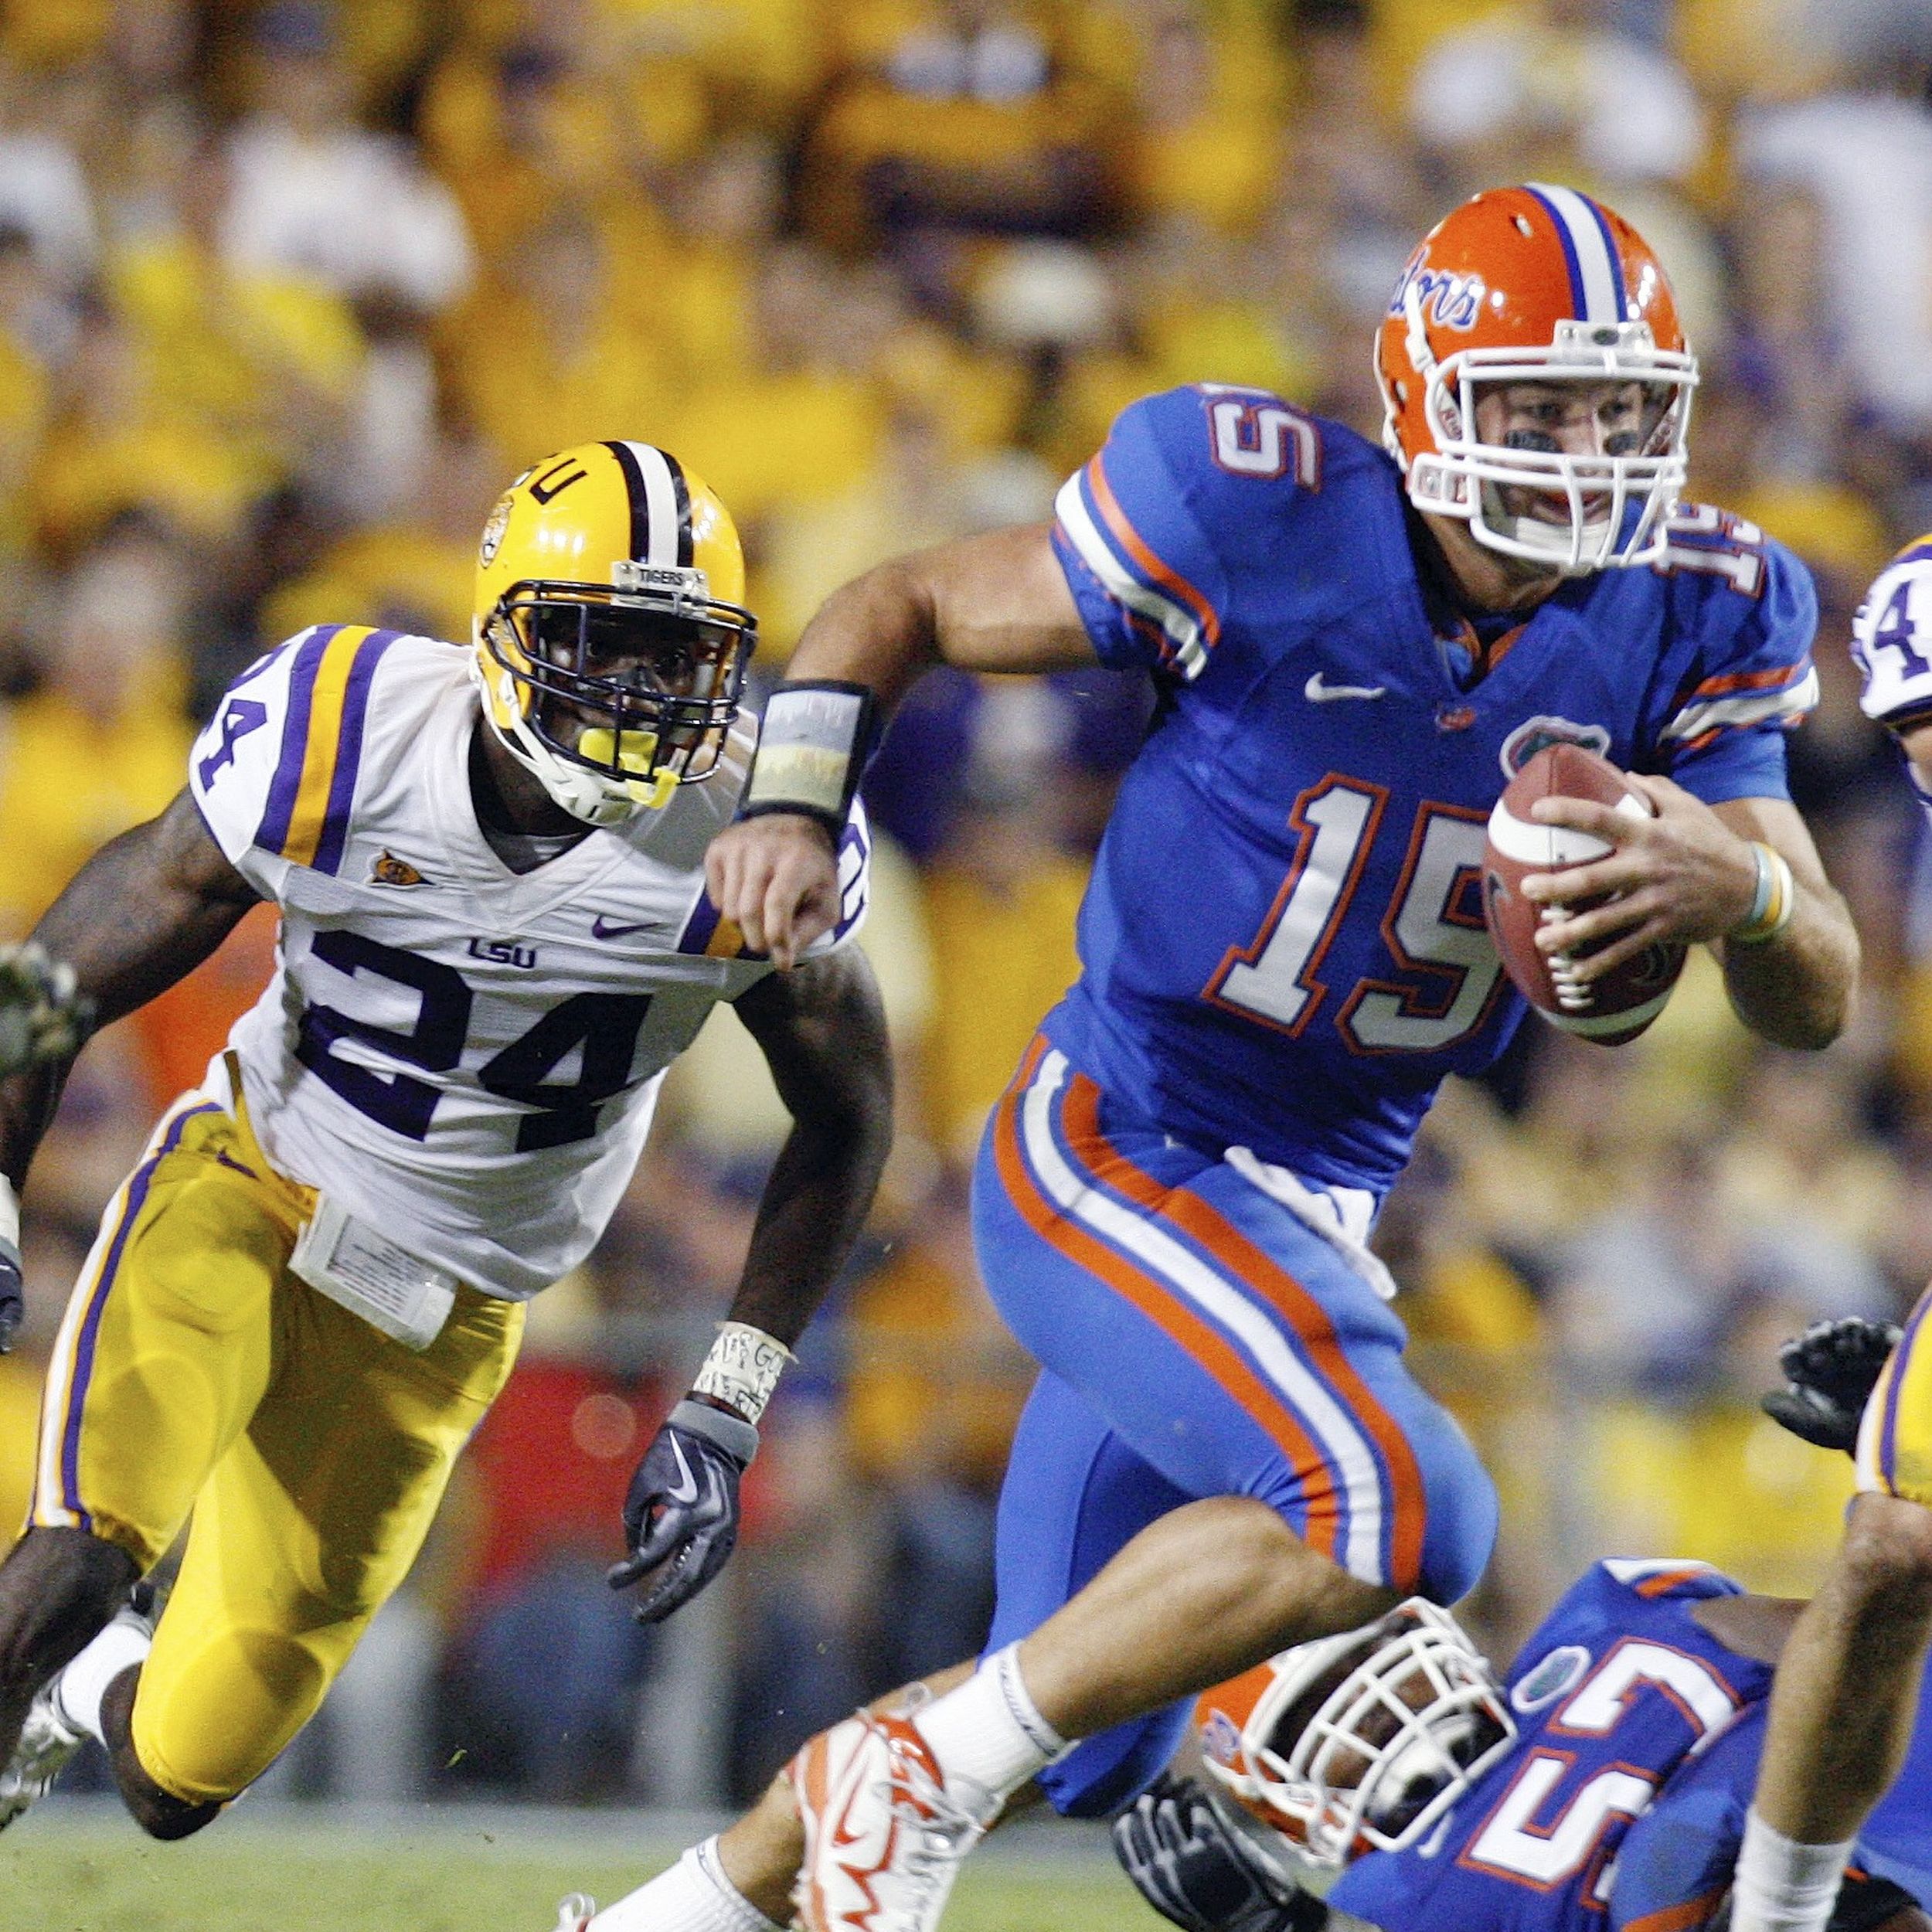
776 878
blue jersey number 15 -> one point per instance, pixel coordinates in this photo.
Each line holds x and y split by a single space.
1448 971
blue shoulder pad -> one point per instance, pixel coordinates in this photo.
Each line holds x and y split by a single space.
1146 531
1621 1596
1754 612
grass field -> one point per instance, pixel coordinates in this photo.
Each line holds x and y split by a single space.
82 1867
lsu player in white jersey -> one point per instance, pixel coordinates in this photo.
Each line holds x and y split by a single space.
495 938
1840 1725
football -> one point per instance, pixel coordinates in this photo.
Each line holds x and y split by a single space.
1619 1006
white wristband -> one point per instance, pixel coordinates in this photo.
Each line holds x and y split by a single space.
9 1215
812 748
742 1369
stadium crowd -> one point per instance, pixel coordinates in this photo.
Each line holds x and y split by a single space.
288 291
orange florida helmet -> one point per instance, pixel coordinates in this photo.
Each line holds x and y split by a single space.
1536 285
1355 1742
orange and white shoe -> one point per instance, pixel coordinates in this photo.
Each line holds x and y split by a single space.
574 1913
886 1833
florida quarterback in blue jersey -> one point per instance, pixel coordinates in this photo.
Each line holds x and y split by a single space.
1385 1779
1282 955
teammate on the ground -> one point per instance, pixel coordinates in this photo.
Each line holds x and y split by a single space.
1382 1779
1283 954
1840 1721
494 937
1385 1778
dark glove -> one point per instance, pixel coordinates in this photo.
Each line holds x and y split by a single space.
1830 1371
682 1508
13 1300
43 1015
1190 1866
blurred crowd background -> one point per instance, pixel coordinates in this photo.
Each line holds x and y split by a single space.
289 292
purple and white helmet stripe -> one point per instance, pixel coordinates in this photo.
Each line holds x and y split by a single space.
1596 270
660 509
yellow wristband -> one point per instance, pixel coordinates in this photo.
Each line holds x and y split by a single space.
1777 899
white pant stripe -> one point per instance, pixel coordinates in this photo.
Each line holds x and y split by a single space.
1334 1429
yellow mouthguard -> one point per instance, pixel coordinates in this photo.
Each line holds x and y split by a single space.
598 742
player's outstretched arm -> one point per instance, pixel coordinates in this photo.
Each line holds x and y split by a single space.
998 601
146 909
1696 872
822 1030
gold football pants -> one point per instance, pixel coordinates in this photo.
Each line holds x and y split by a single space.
194 1371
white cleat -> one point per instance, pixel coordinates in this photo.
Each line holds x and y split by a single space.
46 1742
576 1913
49 1738
884 1835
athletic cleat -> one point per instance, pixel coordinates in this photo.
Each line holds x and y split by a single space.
885 1836
46 1742
576 1913
47 1739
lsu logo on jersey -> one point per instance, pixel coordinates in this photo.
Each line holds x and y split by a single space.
1535 734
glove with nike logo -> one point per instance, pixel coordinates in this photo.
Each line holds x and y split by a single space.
683 1509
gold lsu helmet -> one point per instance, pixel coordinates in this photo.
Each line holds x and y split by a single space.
609 638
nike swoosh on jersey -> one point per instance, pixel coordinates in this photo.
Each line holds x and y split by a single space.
685 1488
1317 691
602 929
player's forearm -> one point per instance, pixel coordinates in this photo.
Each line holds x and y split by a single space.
880 630
822 1031
814 1205
28 1102
1799 989
998 601
146 910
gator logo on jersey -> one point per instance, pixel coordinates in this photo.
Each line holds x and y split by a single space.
1547 1682
389 870
1533 734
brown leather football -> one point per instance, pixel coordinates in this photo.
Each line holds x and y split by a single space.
1619 1006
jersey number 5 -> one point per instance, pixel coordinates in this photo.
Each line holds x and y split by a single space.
1517 1843
605 1026
1434 929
